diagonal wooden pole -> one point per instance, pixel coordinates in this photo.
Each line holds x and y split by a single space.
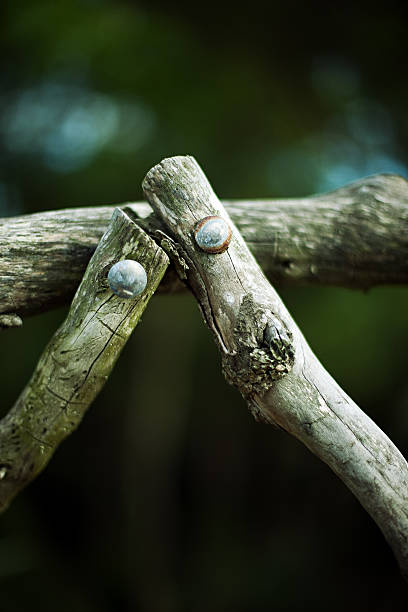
78 359
265 355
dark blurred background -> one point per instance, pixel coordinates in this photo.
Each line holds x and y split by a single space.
169 497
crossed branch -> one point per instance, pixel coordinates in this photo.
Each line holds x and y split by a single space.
351 237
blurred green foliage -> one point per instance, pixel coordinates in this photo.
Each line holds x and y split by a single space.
178 501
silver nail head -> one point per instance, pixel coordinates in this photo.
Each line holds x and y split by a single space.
213 234
127 278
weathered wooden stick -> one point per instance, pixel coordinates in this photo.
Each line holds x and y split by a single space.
356 236
79 358
266 357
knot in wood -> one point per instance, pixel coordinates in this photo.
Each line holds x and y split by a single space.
264 351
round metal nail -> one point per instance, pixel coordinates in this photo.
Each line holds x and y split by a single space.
213 234
127 278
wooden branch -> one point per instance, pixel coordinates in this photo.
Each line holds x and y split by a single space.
356 236
266 357
79 358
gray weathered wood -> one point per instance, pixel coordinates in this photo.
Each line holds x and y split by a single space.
356 236
266 356
79 358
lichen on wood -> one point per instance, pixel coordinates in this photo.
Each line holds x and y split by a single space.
78 359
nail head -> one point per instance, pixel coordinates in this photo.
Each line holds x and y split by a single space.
213 234
127 278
